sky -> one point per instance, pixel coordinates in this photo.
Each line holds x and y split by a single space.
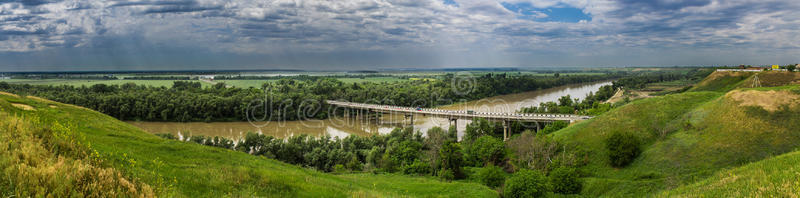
69 35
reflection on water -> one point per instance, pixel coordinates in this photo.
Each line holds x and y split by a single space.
344 126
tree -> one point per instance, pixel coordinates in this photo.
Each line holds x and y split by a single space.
623 148
791 68
526 183
565 180
477 128
486 150
451 159
491 175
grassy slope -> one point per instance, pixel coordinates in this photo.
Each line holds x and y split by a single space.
774 177
193 170
688 138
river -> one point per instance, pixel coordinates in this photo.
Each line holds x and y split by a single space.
344 126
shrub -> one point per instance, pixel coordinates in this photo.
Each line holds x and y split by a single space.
446 175
339 169
418 168
526 183
354 164
167 136
623 148
485 150
565 180
554 126
492 176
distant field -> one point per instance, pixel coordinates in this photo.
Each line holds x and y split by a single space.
372 79
243 83
77 82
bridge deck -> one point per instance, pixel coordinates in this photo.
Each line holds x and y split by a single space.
461 114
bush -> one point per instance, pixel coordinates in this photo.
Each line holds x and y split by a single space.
446 175
526 183
553 127
162 135
485 150
623 148
339 168
565 180
417 168
492 176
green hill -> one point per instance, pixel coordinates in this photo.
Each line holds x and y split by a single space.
60 150
688 137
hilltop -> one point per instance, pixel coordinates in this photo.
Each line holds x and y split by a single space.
64 150
691 137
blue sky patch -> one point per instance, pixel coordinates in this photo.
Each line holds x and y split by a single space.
450 2
558 13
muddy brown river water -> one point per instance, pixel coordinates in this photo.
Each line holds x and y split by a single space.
344 126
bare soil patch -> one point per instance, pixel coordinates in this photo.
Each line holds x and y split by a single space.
769 100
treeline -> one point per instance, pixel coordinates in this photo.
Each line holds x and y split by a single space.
285 99
537 163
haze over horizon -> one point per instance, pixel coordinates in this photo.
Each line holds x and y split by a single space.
56 35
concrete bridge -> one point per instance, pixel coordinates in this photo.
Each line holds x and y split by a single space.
455 115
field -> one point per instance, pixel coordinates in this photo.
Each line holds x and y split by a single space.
137 163
78 82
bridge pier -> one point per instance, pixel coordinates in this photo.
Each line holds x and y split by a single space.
411 119
506 132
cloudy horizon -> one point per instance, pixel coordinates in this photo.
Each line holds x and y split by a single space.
55 35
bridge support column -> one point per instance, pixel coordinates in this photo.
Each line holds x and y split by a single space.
506 132
453 122
412 122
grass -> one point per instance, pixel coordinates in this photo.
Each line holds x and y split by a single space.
775 177
723 81
689 137
177 169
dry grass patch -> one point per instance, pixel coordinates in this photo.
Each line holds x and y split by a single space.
769 100
23 107
9 94
37 160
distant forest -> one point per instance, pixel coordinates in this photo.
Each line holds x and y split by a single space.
293 99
